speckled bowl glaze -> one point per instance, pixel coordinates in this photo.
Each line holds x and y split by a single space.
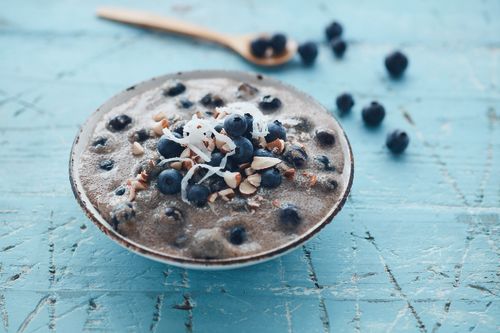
84 136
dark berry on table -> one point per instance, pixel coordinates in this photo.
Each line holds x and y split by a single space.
262 152
119 122
325 136
344 102
249 120
373 114
278 43
216 159
269 103
396 63
168 148
175 90
216 183
141 135
100 141
308 52
397 141
289 216
169 181
185 103
271 178
120 191
339 46
237 235
333 30
243 151
276 131
198 194
235 125
296 156
106 164
258 47
325 162
122 213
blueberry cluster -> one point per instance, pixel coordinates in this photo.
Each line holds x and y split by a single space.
264 46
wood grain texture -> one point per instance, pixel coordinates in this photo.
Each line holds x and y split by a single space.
416 249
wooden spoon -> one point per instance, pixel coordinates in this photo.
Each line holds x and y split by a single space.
240 43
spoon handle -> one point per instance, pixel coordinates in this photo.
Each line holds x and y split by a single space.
152 21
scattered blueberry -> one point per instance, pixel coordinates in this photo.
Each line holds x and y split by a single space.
249 121
198 194
212 101
296 156
308 52
175 90
100 141
344 102
397 141
237 235
243 151
262 152
218 128
174 213
179 130
185 103
289 216
119 122
396 63
373 114
278 43
325 161
339 46
232 165
122 213
235 125
258 47
216 159
325 137
270 178
168 148
216 183
169 181
141 135
120 190
106 164
276 131
333 30
246 91
269 103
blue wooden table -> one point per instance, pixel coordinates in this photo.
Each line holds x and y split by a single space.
416 248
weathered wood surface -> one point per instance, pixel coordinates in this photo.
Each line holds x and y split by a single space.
416 249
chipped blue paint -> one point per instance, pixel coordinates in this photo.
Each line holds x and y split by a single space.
416 249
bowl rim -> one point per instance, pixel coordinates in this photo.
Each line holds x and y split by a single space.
195 263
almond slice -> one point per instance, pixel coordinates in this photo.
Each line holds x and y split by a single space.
254 179
249 171
137 149
263 162
277 146
159 116
246 188
159 126
225 148
188 164
212 197
227 194
176 165
186 153
289 174
232 179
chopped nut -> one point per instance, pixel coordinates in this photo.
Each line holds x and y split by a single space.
232 179
254 179
139 185
186 153
220 115
212 197
188 164
289 174
252 203
263 162
244 166
209 143
176 165
246 188
159 116
199 114
137 149
132 193
225 148
249 171
276 203
159 126
276 146
142 177
262 142
314 180
227 194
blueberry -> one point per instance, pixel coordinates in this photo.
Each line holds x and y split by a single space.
296 156
289 216
269 103
106 164
278 43
169 181
141 135
397 141
212 101
198 194
206 100
262 152
396 64
119 122
258 47
333 30
120 191
122 213
344 102
218 128
216 159
231 165
185 103
174 213
168 148
179 130
237 235
339 46
325 161
216 183
235 125
249 121
270 178
276 131
100 141
175 90
373 114
308 52
325 137
243 151
246 91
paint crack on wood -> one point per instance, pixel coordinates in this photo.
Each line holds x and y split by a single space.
27 320
158 306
